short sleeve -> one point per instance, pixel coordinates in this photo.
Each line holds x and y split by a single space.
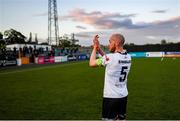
99 61
103 61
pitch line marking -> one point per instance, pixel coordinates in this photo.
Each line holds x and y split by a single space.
40 68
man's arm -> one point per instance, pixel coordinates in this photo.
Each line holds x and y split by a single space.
101 52
92 61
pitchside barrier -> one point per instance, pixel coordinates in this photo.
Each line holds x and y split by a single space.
60 59
172 54
25 60
151 54
22 61
154 54
138 54
52 59
83 57
40 60
18 62
43 59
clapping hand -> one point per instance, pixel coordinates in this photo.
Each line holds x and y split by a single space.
96 44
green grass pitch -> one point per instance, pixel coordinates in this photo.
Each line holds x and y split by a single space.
74 91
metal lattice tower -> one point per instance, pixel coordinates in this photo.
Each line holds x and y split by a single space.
53 28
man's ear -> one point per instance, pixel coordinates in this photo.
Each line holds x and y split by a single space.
117 43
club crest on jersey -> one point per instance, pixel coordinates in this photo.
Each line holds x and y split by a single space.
107 59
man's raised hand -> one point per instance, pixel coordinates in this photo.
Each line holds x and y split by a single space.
96 42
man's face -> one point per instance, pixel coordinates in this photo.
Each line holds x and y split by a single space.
111 45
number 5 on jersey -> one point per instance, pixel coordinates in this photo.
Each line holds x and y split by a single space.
123 74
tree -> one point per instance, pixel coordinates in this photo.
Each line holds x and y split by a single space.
131 44
44 43
2 45
13 36
2 42
163 42
64 41
1 36
30 38
36 39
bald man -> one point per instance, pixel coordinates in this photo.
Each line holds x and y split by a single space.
117 64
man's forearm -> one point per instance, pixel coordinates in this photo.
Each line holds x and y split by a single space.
101 52
92 61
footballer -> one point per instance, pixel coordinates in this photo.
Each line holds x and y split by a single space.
118 64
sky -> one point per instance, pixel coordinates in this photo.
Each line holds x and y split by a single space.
140 21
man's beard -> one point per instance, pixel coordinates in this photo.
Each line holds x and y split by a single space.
112 50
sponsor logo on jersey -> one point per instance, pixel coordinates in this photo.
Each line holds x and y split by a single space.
124 61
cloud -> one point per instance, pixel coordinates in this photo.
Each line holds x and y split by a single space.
173 20
176 26
172 23
101 20
40 14
81 27
106 20
154 32
160 11
151 37
107 23
82 35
